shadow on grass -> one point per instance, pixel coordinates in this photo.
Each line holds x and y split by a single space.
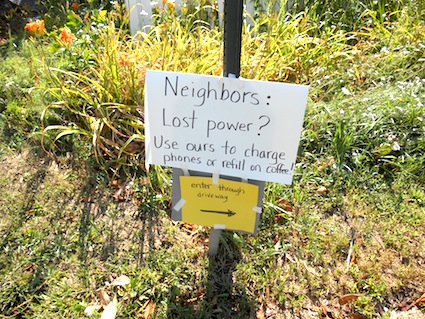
25 208
121 224
30 194
148 214
222 297
89 211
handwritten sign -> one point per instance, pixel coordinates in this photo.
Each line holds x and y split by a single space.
228 204
236 127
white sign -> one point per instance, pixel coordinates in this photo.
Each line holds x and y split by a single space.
236 127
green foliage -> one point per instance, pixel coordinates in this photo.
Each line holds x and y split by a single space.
96 90
97 96
375 132
350 15
191 15
18 112
95 82
58 13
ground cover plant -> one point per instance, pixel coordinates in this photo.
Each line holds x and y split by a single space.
84 228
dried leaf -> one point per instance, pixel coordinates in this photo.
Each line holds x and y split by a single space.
199 294
326 313
278 218
285 204
90 310
115 184
121 281
260 313
355 316
118 195
150 307
110 311
270 309
104 298
403 305
321 190
189 228
420 299
347 298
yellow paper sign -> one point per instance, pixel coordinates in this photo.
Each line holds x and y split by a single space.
227 203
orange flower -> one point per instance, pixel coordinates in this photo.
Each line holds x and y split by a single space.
217 70
35 27
170 3
124 58
75 6
66 36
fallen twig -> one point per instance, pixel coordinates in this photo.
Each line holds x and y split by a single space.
350 250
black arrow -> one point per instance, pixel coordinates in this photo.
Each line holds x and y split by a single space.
229 213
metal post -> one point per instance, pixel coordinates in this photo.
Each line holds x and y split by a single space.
232 65
214 241
232 36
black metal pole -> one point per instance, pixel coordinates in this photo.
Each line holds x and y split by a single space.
232 65
232 36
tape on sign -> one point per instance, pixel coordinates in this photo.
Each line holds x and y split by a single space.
179 204
257 209
185 170
215 177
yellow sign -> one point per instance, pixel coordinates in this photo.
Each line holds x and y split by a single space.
228 204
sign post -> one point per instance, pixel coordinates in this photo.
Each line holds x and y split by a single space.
232 66
232 36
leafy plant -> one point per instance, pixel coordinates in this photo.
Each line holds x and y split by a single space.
97 90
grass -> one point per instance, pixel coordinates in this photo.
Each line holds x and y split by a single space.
74 222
